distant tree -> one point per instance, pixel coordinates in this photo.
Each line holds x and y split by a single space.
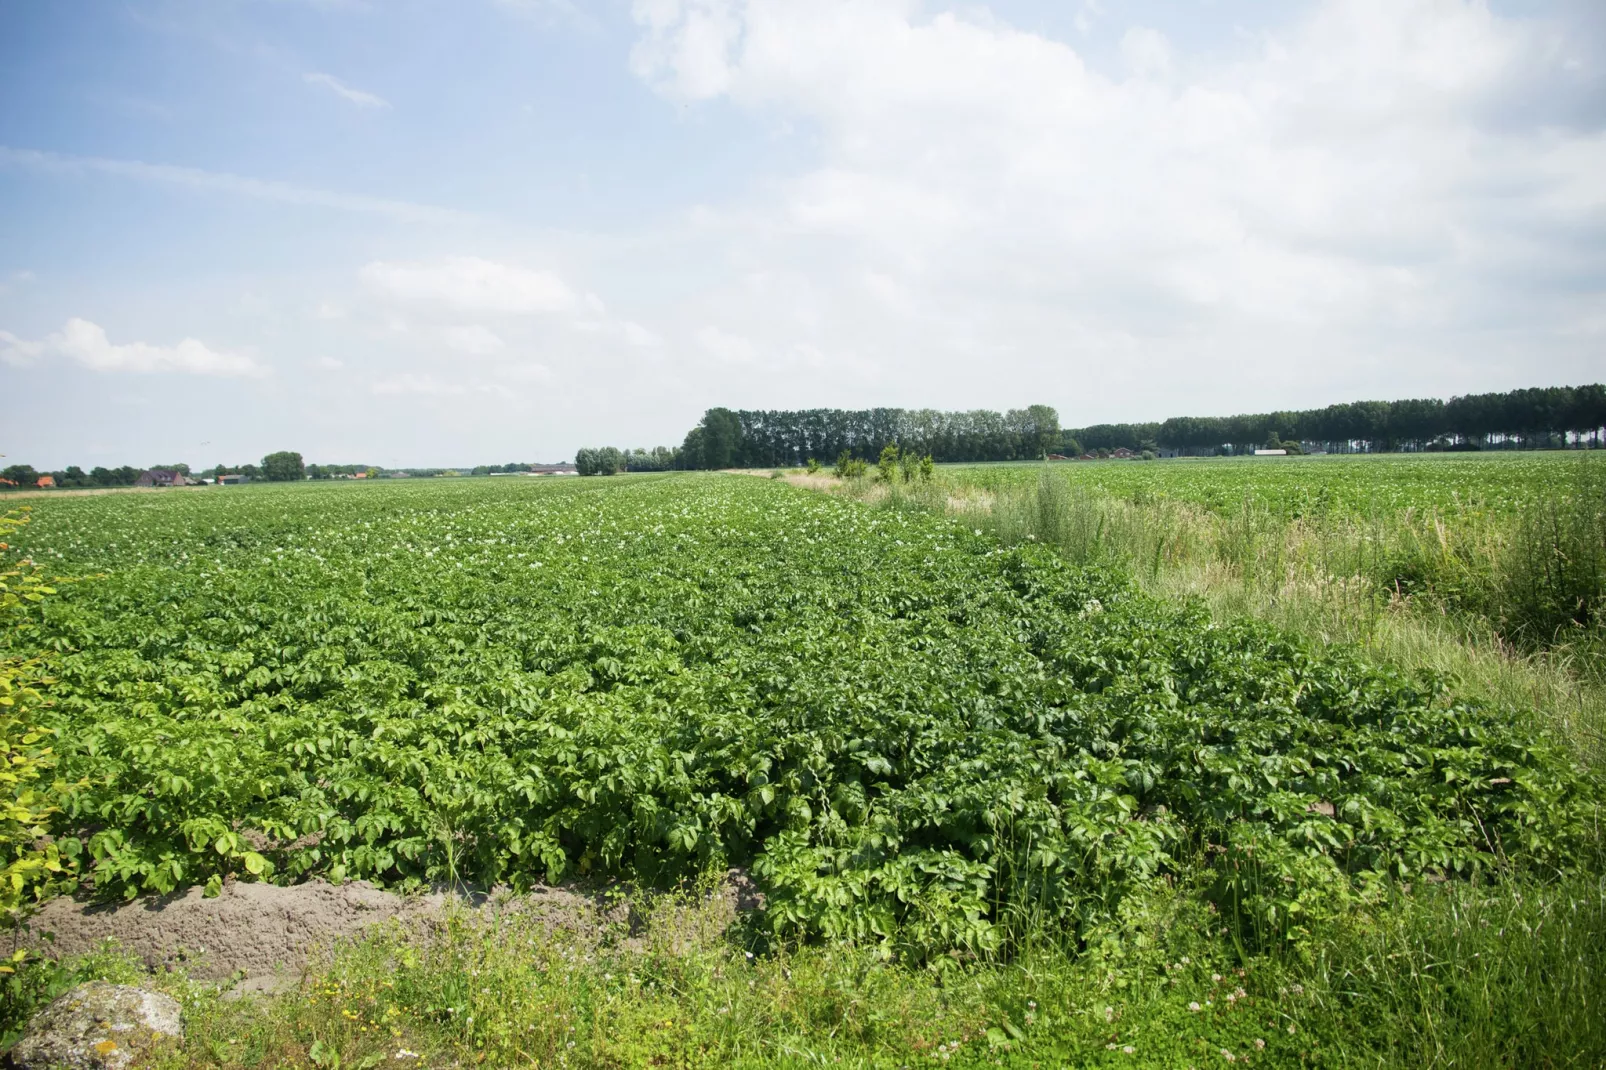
722 439
814 467
927 468
1043 424
606 461
692 454
22 475
283 467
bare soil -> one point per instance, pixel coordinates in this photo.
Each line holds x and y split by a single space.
254 930
265 934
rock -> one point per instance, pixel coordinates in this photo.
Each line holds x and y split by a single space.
97 1026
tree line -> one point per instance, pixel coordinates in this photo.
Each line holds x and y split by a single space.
609 460
744 438
1531 418
282 466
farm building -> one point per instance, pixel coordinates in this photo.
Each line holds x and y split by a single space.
231 478
46 481
160 477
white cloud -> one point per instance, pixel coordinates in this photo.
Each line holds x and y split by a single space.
16 279
639 336
19 352
1147 52
223 182
527 372
688 51
414 383
427 385
344 91
87 344
1348 190
469 284
731 348
472 339
1087 15
629 332
330 364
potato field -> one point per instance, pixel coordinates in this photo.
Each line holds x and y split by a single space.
1378 486
911 735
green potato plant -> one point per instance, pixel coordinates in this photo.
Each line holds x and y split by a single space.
916 738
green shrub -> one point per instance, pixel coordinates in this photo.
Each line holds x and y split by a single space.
887 465
1552 582
849 466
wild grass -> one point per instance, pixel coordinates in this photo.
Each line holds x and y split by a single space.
1454 975
1510 606
1467 976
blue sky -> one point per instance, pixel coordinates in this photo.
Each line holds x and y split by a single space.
421 233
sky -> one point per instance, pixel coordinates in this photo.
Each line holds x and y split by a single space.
403 232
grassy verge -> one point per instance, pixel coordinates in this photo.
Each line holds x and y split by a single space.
1450 975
